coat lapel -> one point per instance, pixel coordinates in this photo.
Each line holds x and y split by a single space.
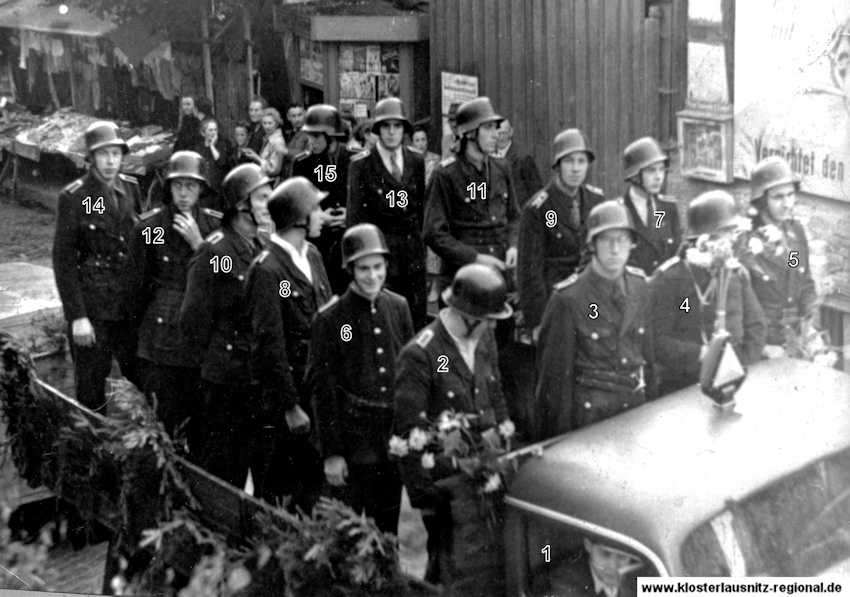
455 357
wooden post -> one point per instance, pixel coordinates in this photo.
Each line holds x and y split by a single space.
205 35
50 84
249 51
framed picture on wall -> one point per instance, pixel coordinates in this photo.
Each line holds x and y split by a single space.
705 145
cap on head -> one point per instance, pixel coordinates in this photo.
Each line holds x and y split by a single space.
104 134
323 118
640 154
362 240
391 108
771 172
187 164
479 291
293 200
711 212
608 215
474 113
570 141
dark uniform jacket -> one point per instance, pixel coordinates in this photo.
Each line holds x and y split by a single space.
589 359
328 242
256 136
216 168
526 177
163 270
281 324
457 227
550 253
352 382
655 244
369 183
91 253
214 316
785 293
419 387
680 333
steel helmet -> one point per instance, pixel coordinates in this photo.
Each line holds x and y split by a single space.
240 182
360 241
640 154
474 113
608 215
570 141
479 291
292 200
187 164
711 212
323 118
104 134
771 172
391 108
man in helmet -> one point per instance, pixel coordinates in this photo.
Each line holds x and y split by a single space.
779 271
387 188
526 177
451 364
216 322
163 243
595 355
684 301
286 285
656 218
94 274
449 143
552 227
351 377
326 166
471 213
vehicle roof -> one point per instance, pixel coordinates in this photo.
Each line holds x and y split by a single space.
657 472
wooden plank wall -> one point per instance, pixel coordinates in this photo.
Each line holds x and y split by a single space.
554 64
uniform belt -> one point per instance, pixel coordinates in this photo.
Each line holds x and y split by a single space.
786 314
363 404
612 381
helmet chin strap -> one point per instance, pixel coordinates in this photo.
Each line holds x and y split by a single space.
470 323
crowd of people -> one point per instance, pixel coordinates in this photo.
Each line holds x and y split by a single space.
275 306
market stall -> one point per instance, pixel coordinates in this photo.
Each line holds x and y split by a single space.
27 136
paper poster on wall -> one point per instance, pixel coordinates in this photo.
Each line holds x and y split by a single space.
346 57
359 53
311 61
373 60
792 90
456 88
357 86
388 86
389 59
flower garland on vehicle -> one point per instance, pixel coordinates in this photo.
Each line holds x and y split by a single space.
454 442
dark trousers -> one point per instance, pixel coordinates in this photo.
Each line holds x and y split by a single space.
295 470
92 364
517 368
178 395
232 427
375 488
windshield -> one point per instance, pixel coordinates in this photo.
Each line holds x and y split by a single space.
795 527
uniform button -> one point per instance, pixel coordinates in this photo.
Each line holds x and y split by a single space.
790 300
625 406
640 330
121 238
450 394
669 241
625 360
558 235
654 263
165 258
493 218
802 270
587 405
481 412
377 331
594 336
477 390
97 263
91 226
765 277
466 200
229 347
380 351
294 293
382 370
159 319
240 277
492 250
383 390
